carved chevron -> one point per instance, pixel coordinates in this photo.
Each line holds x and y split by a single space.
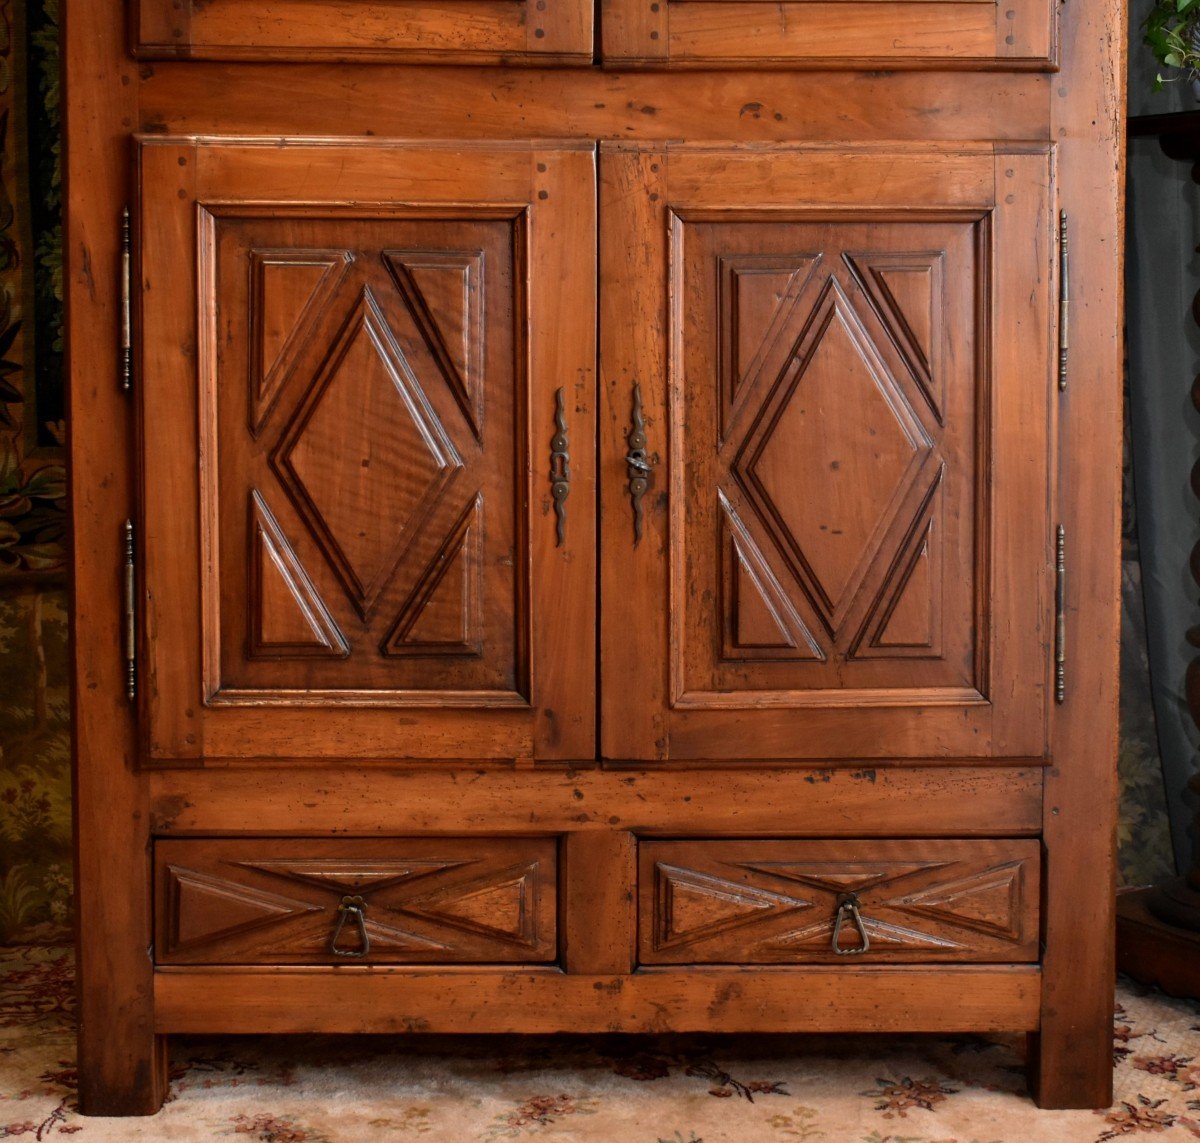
289 291
288 617
348 875
905 290
762 622
987 901
757 294
443 614
842 876
443 290
205 908
693 906
502 904
904 619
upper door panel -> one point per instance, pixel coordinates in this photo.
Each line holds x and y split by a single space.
411 31
357 363
823 33
831 371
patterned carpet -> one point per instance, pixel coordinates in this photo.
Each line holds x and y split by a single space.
673 1089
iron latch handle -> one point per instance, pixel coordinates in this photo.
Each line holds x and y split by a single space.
560 469
638 463
848 907
356 907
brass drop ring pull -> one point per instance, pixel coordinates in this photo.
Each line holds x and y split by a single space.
354 907
847 906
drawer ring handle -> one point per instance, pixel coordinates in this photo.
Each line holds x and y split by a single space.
847 906
356 907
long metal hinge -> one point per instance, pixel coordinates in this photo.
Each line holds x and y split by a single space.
1064 300
130 613
1060 615
126 362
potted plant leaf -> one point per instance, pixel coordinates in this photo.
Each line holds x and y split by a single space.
1172 33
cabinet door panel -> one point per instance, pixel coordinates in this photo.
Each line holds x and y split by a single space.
367 415
435 31
915 33
845 541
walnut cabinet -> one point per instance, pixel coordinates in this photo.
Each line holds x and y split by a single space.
593 520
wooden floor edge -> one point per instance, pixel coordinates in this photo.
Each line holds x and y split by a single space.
989 998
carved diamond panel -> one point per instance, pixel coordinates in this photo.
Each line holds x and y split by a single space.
832 454
366 457
710 902
369 493
448 900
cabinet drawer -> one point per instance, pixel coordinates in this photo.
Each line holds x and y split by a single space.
406 31
852 33
391 901
764 902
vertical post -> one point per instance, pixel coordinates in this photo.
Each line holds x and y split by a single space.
122 1063
1071 1058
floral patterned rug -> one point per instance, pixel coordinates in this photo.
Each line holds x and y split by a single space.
543 1089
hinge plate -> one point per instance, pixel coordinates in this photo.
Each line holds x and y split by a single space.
125 364
1060 615
1064 300
130 583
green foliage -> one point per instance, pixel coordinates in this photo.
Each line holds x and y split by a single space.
33 519
19 901
1170 31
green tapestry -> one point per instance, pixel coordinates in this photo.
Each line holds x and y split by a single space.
35 850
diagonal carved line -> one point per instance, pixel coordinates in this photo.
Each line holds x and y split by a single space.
782 610
904 561
431 577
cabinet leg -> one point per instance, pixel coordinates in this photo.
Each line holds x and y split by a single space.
121 1074
1066 1070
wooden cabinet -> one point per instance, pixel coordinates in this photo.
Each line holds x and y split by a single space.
591 542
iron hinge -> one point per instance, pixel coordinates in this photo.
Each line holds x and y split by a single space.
1064 300
1060 615
126 359
130 641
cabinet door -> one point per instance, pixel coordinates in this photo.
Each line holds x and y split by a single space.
834 371
816 33
356 362
432 31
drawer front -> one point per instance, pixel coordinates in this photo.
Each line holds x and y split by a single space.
391 901
974 33
767 902
421 31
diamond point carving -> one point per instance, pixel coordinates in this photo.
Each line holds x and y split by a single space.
834 409
365 459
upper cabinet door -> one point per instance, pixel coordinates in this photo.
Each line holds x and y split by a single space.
826 453
850 33
413 31
366 388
